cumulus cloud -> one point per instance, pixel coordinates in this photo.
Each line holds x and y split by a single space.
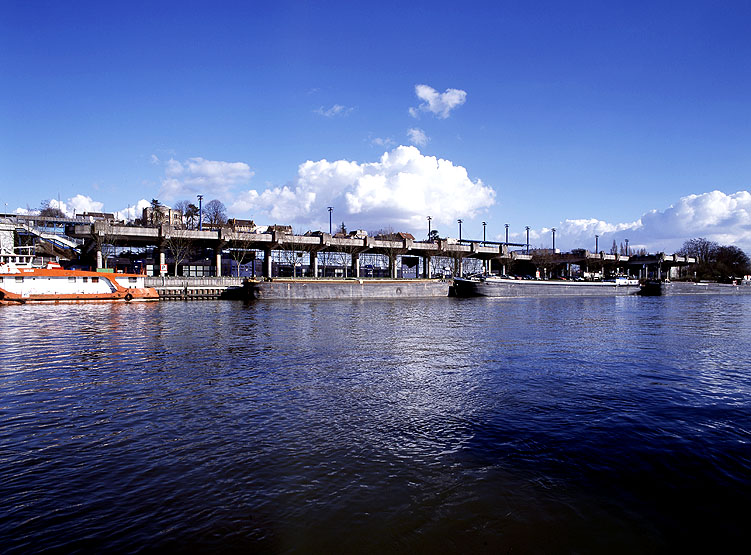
715 215
82 203
335 110
197 175
438 104
417 136
399 190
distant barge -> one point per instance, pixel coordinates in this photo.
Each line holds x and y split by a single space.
491 286
657 288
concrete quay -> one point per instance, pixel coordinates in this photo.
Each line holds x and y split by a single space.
194 289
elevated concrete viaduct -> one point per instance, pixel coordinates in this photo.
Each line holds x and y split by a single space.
100 233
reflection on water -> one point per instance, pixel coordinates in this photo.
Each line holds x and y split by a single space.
532 425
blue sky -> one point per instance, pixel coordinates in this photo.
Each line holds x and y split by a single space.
625 119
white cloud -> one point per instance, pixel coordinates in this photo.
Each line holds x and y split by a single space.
438 104
335 110
132 212
82 203
417 136
199 176
715 215
399 190
386 142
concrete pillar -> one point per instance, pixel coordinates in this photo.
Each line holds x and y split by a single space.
267 263
392 267
161 262
356 265
98 258
314 263
218 263
426 272
459 267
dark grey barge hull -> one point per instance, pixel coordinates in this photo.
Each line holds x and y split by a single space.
690 288
347 289
534 288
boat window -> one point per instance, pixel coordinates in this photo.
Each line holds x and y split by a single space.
19 278
132 280
85 279
72 279
95 280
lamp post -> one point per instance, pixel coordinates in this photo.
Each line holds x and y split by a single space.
460 229
597 246
200 212
429 218
527 228
553 230
506 236
331 209
483 232
627 248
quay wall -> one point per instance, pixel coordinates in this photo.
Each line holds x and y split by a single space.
196 288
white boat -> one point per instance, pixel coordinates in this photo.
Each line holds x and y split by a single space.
21 282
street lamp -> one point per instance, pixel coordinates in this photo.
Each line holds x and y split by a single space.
597 246
483 232
506 235
627 248
553 230
429 218
200 212
460 229
331 209
527 228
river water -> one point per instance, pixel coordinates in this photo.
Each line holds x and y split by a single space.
438 425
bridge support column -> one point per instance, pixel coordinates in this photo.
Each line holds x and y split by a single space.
426 267
267 263
98 258
356 265
314 263
162 261
218 262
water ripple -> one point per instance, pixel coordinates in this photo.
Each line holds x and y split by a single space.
536 425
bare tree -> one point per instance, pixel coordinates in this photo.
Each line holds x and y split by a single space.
393 248
216 213
545 259
46 210
182 206
240 250
103 238
179 244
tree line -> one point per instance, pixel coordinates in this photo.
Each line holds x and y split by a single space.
715 262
